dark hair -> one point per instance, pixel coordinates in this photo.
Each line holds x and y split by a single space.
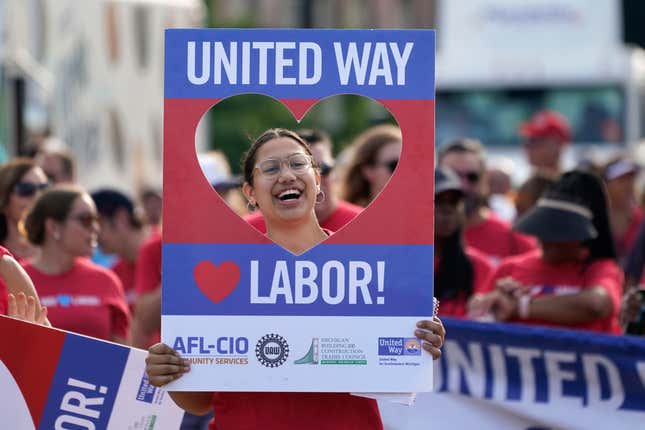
455 273
464 145
11 174
313 136
248 164
108 202
55 203
587 189
356 188
536 186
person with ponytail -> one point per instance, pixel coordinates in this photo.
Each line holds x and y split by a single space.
460 270
21 180
573 280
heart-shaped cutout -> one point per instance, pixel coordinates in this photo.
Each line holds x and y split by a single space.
238 118
216 282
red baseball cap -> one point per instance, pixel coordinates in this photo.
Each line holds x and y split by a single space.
546 123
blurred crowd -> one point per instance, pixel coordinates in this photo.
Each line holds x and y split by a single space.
562 249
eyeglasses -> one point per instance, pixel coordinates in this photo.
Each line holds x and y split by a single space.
87 220
390 165
297 163
29 189
472 177
325 169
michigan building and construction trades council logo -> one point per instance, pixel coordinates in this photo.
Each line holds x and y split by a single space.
272 350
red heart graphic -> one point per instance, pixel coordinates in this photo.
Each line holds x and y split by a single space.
217 283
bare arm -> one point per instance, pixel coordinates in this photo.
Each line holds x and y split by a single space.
164 365
147 317
194 402
589 305
18 281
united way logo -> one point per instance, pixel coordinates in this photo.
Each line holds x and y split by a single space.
398 346
412 347
272 350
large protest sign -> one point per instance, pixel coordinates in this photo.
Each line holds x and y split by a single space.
251 316
494 376
52 379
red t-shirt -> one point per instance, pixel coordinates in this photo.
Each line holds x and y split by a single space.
148 272
482 271
495 238
625 242
285 411
87 299
126 270
344 213
543 279
4 293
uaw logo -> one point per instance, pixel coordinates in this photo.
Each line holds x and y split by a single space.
272 350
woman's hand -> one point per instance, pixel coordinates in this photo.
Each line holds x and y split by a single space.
164 365
25 308
432 334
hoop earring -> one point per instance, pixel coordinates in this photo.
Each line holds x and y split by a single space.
322 199
251 206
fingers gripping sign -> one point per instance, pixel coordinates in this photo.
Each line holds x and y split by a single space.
164 365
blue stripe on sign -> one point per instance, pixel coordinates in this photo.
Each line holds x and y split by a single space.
339 280
85 385
382 64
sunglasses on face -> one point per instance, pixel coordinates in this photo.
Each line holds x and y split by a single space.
390 165
87 220
325 169
271 167
472 177
29 189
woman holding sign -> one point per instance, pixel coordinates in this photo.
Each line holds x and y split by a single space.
282 181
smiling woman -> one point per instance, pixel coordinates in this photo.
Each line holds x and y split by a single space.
80 296
283 181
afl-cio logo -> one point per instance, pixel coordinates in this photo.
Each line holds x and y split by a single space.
272 350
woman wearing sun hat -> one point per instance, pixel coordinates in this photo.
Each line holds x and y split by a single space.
573 280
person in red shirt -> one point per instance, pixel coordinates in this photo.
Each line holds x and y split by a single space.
573 280
484 231
282 180
460 270
80 296
332 212
122 233
21 180
146 325
625 214
546 134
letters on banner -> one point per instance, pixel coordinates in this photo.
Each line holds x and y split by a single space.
251 316
51 379
494 376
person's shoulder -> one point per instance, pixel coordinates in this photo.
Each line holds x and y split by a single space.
256 220
604 265
532 257
4 251
349 208
492 221
477 256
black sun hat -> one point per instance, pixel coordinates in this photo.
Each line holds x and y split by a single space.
575 208
558 220
446 180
